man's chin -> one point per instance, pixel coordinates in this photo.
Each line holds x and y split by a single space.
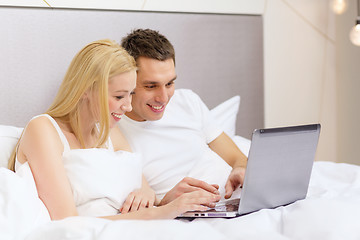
155 118
149 117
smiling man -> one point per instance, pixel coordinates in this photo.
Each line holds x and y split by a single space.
183 147
155 87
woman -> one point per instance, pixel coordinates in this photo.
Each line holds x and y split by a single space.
80 161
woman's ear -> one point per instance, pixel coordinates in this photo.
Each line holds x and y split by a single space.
86 95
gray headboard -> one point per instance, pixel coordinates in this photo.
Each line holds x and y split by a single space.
218 56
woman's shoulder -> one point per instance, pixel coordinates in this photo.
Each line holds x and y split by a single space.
39 135
41 129
118 140
41 124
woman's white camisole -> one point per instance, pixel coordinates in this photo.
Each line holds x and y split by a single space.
100 178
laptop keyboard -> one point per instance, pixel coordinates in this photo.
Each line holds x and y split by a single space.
227 206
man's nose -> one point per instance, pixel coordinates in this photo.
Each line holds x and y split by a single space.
162 95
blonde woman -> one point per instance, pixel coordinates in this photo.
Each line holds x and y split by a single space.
79 160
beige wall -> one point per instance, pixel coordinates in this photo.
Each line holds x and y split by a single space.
300 73
213 6
348 85
310 67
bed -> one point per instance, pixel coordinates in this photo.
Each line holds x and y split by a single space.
330 211
229 78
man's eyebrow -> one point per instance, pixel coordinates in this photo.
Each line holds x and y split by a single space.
149 82
155 83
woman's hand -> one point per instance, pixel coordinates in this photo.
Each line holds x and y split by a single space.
143 197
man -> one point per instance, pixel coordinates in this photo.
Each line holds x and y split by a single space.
179 140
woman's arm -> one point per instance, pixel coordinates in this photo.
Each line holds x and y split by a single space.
42 148
191 201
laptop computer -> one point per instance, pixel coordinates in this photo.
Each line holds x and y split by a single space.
277 173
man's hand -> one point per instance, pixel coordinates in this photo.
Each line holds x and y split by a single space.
235 180
187 185
191 201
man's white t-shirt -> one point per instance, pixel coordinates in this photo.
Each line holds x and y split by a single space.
176 146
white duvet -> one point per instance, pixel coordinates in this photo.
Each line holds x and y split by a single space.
331 211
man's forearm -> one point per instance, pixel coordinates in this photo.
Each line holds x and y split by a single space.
241 161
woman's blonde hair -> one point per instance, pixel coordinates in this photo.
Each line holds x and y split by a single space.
89 72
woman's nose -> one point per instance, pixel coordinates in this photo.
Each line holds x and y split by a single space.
127 106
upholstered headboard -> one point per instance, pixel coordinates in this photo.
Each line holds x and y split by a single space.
217 56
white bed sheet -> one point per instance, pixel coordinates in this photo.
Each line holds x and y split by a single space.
330 211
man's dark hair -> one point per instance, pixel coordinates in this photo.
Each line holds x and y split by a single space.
148 43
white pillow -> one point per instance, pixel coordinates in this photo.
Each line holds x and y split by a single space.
226 114
9 136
